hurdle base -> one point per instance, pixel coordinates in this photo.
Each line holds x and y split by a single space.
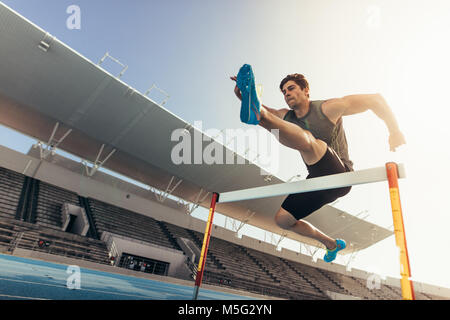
195 296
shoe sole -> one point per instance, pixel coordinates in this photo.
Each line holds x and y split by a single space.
246 84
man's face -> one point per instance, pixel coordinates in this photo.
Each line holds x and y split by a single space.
294 96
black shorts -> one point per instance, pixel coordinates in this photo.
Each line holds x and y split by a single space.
301 205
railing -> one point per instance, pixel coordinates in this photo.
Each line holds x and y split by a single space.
111 245
192 267
15 242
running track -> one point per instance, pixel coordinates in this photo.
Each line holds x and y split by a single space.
29 279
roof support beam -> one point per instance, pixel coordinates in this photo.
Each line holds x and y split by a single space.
190 207
161 196
97 164
351 258
277 242
242 223
312 252
52 143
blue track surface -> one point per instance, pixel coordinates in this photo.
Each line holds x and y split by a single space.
22 278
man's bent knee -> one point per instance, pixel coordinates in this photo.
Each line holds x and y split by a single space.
284 219
315 153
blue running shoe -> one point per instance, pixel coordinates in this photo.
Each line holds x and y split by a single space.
250 104
331 254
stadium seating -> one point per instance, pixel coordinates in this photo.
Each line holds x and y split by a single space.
10 190
288 278
234 266
129 224
49 205
27 236
228 264
320 280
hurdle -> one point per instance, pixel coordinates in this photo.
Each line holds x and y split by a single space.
391 172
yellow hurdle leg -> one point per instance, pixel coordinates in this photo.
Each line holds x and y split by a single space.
399 231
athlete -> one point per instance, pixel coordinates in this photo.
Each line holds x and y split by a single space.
315 129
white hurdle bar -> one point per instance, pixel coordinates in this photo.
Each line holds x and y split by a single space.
339 180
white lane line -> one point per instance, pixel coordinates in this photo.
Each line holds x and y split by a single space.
81 289
28 298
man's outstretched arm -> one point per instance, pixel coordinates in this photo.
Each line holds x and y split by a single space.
358 103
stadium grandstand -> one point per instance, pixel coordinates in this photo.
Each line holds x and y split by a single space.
56 209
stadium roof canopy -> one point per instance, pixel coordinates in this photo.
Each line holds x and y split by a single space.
43 82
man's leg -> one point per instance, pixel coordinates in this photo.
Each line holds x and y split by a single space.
292 136
312 150
286 221
297 206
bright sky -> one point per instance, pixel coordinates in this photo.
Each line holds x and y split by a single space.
397 48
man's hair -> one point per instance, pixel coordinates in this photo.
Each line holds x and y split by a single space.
297 78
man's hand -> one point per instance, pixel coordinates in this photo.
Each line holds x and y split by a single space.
396 139
236 89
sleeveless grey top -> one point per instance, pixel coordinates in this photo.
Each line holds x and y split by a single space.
316 122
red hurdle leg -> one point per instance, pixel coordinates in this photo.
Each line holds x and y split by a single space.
201 264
